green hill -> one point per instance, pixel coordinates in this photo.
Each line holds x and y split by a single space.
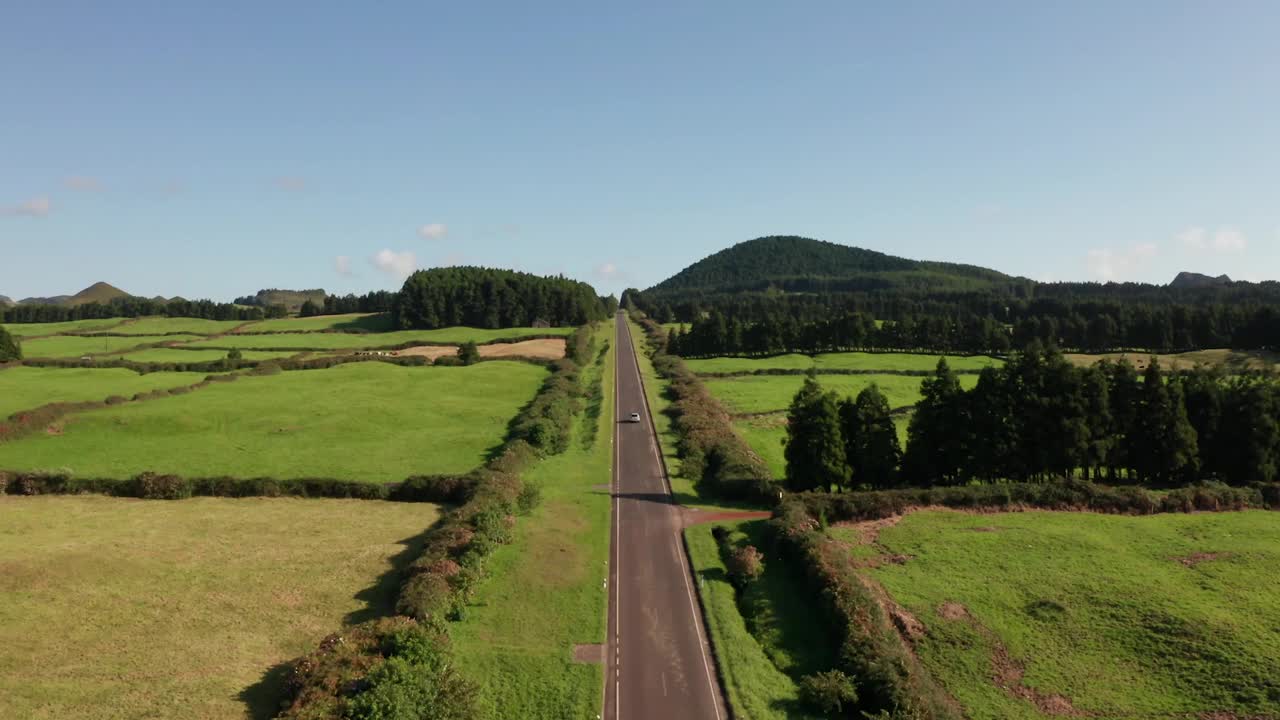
98 292
796 264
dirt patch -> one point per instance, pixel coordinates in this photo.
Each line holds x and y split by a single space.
953 611
869 531
1195 559
589 654
693 516
543 349
908 625
546 348
431 352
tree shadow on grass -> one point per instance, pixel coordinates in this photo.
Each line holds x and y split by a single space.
380 598
264 699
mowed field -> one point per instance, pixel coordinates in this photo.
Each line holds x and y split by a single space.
365 421
377 322
162 325
180 355
1043 614
36 329
27 388
124 609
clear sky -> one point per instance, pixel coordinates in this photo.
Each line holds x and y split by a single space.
213 151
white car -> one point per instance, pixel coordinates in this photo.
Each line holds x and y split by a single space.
635 417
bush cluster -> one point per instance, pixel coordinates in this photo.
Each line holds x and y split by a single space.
547 421
711 453
157 486
888 677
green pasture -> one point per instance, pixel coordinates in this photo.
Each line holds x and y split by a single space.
161 325
376 322
760 659
1231 360
116 609
1164 616
860 361
545 593
35 329
773 393
369 421
356 341
180 355
67 346
27 388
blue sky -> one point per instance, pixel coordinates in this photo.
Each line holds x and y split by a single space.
213 151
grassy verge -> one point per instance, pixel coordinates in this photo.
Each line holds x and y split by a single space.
760 658
546 590
114 608
371 422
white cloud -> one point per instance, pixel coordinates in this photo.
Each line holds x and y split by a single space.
606 271
433 231
1112 265
291 183
35 207
342 264
1225 239
398 265
82 182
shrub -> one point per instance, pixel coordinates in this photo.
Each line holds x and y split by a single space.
116 400
530 497
433 488
151 486
745 565
828 692
425 596
468 353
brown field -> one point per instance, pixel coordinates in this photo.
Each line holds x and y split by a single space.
1234 360
548 348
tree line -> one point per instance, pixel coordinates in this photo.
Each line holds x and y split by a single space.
378 301
492 298
1161 330
127 307
1040 417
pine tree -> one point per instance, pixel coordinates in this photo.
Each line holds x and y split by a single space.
871 439
1166 448
814 446
936 449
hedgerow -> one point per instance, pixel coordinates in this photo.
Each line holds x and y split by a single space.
719 462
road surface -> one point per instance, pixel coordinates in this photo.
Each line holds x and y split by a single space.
659 661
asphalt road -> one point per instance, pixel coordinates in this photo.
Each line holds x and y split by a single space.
659 661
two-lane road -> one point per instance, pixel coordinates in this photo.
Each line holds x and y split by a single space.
659 661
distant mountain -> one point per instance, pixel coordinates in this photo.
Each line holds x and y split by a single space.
797 264
5 301
98 292
292 299
1196 280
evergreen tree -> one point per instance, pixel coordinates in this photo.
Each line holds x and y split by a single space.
814 446
468 353
309 309
1167 449
936 445
1250 437
871 439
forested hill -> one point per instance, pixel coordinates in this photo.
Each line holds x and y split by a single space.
797 264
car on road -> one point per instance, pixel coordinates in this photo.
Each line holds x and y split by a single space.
635 417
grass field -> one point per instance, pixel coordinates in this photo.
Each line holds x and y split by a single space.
545 593
759 660
1232 360
1119 617
178 355
354 341
122 609
886 362
74 346
26 388
378 322
368 421
34 329
773 393
161 325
